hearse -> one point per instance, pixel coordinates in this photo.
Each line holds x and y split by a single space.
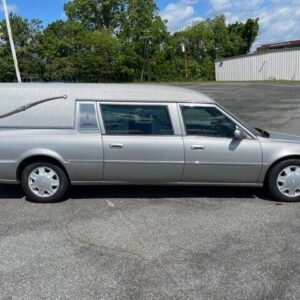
56 135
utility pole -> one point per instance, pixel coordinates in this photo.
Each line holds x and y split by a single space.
146 59
11 41
183 48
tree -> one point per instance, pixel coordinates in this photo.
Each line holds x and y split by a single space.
26 37
144 32
96 14
136 24
250 33
246 34
213 39
120 40
73 53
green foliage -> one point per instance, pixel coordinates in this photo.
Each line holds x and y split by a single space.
246 34
26 34
95 14
120 40
143 32
213 39
74 53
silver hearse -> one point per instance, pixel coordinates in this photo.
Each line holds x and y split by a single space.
54 135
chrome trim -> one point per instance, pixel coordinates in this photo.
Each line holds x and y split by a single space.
143 162
169 101
109 183
220 163
36 128
116 146
80 161
198 147
7 161
8 181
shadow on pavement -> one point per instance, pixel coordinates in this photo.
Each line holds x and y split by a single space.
10 191
116 191
166 192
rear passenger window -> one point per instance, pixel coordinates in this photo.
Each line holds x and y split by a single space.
136 120
87 116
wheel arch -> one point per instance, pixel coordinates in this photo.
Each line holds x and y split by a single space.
38 158
276 163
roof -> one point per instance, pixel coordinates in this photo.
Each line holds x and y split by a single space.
257 54
280 45
14 95
120 92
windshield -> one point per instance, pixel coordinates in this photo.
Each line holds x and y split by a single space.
255 131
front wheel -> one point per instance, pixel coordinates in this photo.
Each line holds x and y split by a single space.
44 182
284 181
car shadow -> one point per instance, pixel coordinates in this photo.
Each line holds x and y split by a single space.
121 191
8 191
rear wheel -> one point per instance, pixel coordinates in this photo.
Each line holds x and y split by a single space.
44 182
284 181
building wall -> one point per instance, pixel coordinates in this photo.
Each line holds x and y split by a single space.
274 65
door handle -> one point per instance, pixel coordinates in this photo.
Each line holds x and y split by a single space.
198 147
116 146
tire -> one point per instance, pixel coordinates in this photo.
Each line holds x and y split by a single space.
286 175
44 182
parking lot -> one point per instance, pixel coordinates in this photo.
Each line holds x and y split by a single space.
160 242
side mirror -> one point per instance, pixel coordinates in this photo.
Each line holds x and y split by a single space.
239 134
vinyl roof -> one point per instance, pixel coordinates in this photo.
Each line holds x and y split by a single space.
120 92
60 113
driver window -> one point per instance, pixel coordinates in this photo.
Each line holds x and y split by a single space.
207 121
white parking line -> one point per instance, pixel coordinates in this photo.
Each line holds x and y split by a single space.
109 203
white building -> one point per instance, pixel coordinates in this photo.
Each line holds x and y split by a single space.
282 64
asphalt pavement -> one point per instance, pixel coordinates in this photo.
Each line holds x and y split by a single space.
160 242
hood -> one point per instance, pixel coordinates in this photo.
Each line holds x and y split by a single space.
283 137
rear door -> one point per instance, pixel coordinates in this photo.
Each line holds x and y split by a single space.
142 142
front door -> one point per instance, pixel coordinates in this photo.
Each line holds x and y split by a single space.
212 155
140 144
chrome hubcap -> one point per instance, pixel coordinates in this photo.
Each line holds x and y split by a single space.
43 182
288 181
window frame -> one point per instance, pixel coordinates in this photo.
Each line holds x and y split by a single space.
249 134
77 124
158 104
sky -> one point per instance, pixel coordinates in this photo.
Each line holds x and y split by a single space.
279 19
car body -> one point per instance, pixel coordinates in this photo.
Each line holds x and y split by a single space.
136 134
